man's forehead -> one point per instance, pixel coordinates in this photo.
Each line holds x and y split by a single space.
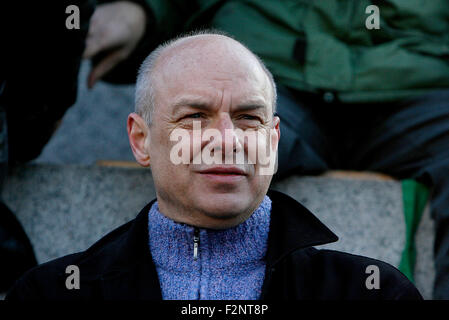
211 90
209 60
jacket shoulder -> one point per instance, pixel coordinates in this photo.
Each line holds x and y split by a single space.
48 280
42 281
359 277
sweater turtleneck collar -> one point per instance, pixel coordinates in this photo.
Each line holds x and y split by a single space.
222 266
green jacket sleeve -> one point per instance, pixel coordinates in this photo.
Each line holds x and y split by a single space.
170 16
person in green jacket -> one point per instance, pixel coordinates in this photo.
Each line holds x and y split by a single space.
363 85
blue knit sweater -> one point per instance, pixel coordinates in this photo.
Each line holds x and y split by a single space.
229 264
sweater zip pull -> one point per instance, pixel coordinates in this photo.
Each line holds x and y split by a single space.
196 242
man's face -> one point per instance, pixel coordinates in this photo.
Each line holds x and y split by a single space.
226 93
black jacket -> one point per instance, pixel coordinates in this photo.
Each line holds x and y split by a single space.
119 266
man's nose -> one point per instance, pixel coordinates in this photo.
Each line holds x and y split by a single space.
229 139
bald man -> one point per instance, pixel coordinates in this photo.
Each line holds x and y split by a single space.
205 123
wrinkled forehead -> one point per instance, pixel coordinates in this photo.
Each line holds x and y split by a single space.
210 57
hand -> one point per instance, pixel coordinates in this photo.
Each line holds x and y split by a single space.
115 30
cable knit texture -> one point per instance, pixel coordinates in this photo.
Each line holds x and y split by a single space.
230 263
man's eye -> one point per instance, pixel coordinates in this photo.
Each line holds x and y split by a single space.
249 117
194 116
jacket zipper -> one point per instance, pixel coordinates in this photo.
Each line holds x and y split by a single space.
196 242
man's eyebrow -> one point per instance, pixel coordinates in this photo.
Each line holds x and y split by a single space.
250 106
193 103
201 104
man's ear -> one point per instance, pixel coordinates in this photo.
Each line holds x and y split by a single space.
276 123
139 138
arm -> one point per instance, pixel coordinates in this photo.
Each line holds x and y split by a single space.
123 33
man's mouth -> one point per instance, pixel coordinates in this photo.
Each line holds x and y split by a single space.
223 171
224 175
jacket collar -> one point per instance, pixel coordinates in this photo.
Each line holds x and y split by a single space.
292 227
132 265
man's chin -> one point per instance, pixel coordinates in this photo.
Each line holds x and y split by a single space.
227 212
223 212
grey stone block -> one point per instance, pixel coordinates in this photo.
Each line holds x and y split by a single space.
65 209
94 128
